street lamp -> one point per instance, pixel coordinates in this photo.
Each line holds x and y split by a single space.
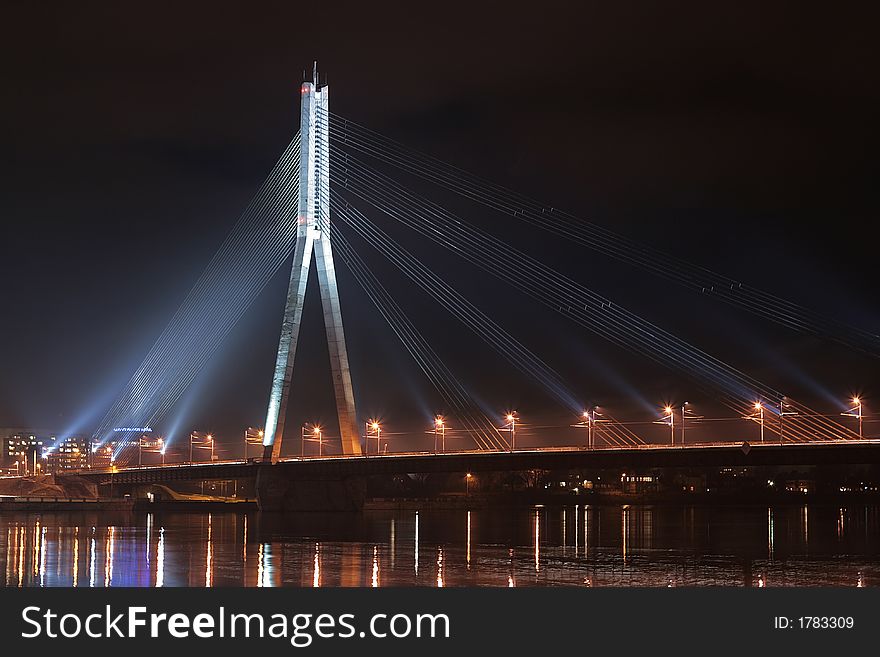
685 413
588 422
440 427
783 404
152 446
377 430
467 483
252 437
511 425
201 444
759 407
669 419
317 436
856 411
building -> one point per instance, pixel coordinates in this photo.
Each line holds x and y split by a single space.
70 454
635 484
22 452
102 455
803 486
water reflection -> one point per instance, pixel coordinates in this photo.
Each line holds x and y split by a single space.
265 574
209 557
109 548
393 541
43 557
511 582
468 556
805 524
244 541
91 561
316 574
439 567
537 540
622 546
75 581
416 542
160 559
586 531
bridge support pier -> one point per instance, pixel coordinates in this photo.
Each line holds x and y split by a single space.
277 491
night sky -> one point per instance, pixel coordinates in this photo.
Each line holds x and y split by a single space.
740 137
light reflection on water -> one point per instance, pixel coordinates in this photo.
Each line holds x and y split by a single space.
572 546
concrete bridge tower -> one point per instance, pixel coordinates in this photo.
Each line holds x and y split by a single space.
313 237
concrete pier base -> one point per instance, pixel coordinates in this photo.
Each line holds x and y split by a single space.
277 491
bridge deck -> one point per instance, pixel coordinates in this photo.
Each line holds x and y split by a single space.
649 456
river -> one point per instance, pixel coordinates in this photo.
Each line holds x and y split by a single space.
793 545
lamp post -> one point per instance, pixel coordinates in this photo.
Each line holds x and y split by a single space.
250 439
760 408
440 428
858 403
372 428
193 442
687 413
511 423
856 411
377 428
467 484
317 435
683 414
669 419
781 419
783 404
588 418
588 422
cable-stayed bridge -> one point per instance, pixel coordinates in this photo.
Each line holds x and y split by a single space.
319 202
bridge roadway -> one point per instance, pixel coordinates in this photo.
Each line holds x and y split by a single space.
861 452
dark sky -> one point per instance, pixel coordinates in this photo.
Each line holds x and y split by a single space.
738 135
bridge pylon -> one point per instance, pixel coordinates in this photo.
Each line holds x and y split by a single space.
313 237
